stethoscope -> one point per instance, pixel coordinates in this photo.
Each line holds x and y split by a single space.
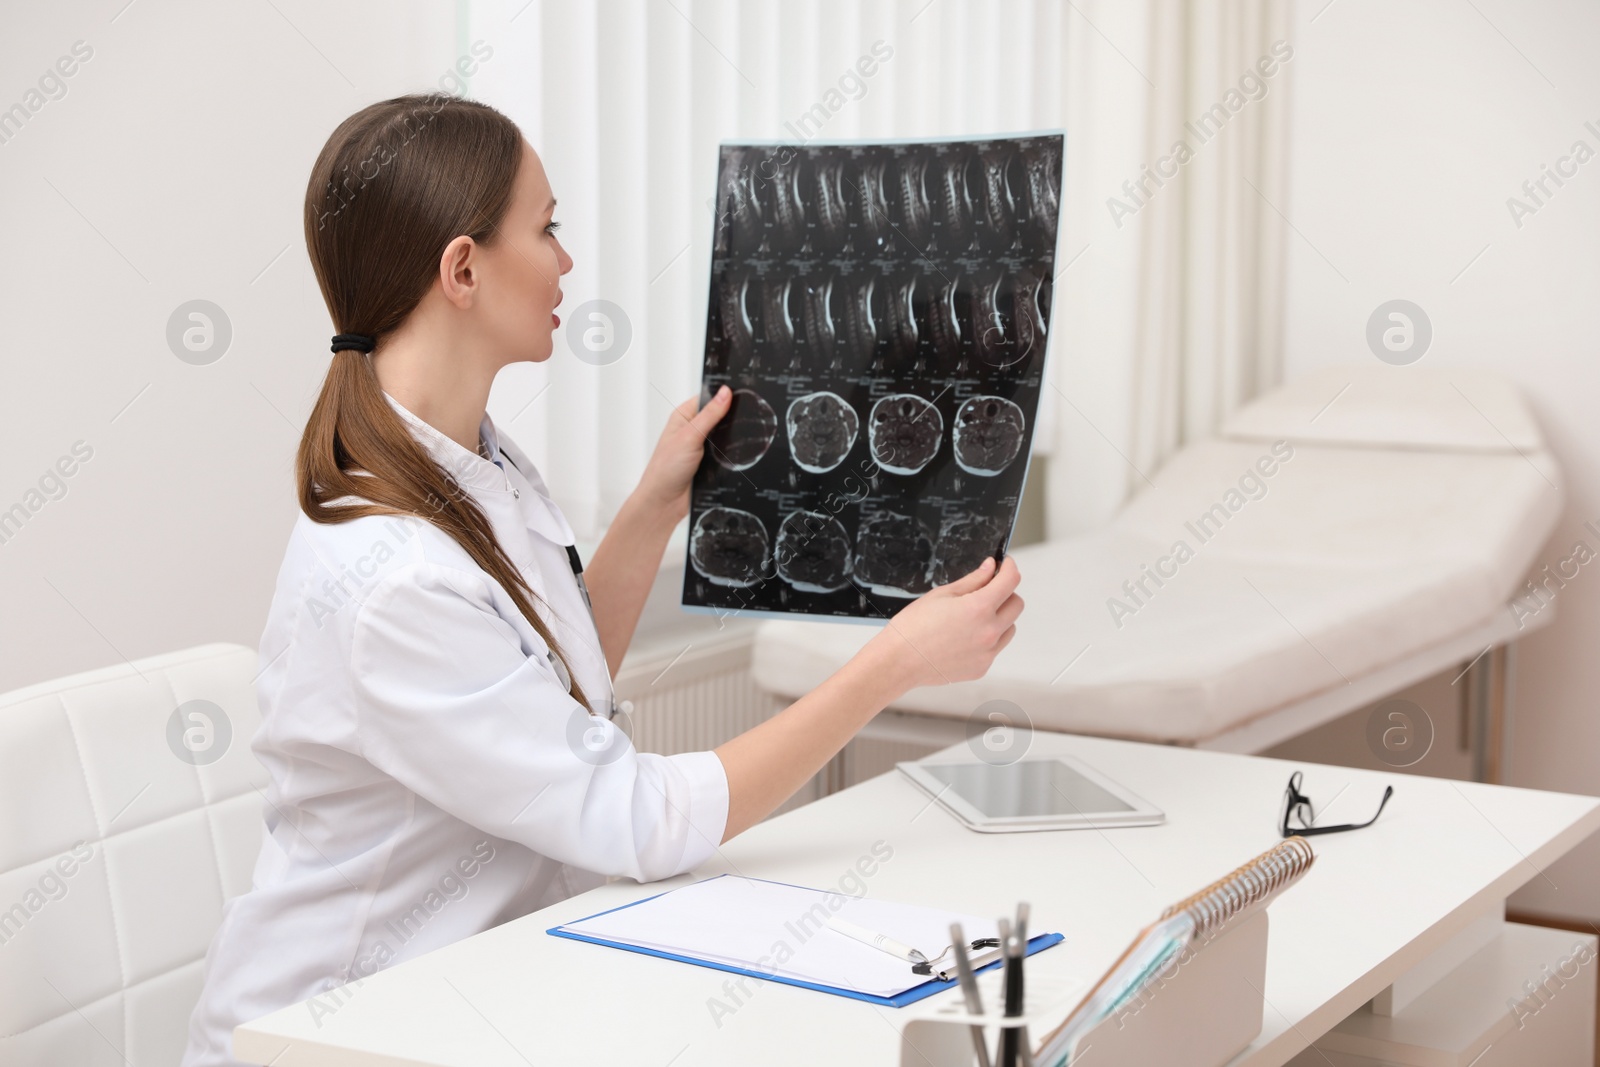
612 707
576 563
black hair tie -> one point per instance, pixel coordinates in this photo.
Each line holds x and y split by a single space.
359 341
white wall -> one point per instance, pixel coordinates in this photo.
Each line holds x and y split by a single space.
173 168
1413 124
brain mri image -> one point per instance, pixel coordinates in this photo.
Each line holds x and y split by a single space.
822 430
893 556
987 435
904 432
729 547
745 432
813 552
963 543
885 309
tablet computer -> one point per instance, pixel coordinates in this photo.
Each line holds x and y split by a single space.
1042 793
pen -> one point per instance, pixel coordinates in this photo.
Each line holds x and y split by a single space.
969 992
1013 994
877 940
1024 1045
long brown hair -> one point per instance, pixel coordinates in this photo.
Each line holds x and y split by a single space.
396 182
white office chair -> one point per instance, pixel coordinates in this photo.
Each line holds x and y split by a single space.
116 853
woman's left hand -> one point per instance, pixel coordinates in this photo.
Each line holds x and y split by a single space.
677 456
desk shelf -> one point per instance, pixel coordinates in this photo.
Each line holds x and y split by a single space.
1527 997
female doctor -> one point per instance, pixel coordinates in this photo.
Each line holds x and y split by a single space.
433 682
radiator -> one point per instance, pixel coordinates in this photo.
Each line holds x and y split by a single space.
893 736
694 697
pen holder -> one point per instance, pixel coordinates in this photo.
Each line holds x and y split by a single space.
943 1038
1201 1012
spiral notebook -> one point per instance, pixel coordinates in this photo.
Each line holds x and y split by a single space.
778 932
1185 927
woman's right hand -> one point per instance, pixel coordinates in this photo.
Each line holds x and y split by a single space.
953 632
949 634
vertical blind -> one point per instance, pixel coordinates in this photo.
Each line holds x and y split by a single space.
626 101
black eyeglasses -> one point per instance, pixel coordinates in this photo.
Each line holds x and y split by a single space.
1297 807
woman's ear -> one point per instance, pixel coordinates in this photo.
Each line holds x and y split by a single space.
458 278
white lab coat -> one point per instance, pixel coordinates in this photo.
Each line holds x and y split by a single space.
430 777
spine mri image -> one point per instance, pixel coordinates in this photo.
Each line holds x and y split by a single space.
881 312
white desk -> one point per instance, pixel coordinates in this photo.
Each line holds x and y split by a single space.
1376 902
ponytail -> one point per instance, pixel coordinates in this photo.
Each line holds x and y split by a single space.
356 445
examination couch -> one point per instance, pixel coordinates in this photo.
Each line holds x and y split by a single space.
1339 539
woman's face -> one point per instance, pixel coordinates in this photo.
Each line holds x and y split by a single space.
525 262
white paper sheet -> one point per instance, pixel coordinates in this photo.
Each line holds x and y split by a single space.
781 929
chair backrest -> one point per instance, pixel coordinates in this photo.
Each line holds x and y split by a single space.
129 812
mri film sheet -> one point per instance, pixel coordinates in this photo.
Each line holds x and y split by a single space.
881 312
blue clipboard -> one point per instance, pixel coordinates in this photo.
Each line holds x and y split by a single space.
1036 943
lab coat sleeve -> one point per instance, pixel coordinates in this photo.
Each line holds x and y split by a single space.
450 706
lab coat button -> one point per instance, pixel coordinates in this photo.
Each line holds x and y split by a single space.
516 494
